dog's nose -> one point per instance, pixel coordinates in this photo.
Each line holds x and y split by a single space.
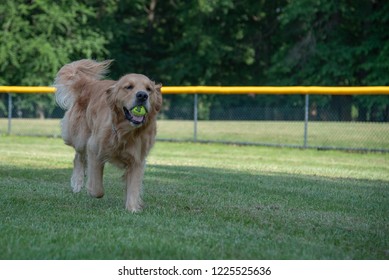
142 96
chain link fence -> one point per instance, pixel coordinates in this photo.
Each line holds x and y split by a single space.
303 122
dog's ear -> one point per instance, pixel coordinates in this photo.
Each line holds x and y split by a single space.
158 87
158 103
110 94
110 90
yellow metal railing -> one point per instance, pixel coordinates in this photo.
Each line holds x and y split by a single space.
275 90
352 90
27 89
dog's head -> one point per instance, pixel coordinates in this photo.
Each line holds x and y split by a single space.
134 90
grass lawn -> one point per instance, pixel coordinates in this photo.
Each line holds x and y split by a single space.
323 134
203 201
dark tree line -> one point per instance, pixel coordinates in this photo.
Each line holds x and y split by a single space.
199 42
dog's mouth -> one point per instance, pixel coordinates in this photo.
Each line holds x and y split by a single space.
133 119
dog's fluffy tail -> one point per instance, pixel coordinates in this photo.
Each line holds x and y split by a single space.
71 77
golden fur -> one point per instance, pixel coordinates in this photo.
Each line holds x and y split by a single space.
99 126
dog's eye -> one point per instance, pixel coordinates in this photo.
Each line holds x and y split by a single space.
130 87
148 88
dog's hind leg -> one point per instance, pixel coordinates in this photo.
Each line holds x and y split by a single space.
77 180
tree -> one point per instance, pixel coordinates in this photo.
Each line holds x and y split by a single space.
38 37
199 42
341 43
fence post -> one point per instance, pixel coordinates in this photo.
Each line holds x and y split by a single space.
195 118
306 117
9 113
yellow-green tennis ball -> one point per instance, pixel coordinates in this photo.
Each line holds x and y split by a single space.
139 111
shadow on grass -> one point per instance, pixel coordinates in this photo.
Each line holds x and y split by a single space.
194 213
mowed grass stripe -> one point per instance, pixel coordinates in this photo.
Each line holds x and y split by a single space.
202 202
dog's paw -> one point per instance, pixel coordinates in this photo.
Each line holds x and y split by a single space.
76 184
96 193
134 208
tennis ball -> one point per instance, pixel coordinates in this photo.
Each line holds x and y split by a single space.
139 111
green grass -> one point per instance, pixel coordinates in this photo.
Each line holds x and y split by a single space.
327 134
202 202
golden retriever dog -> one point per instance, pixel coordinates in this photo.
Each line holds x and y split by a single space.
99 125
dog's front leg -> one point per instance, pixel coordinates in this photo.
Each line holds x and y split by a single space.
133 178
95 175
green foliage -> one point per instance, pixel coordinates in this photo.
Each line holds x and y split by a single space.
335 43
332 43
196 42
38 38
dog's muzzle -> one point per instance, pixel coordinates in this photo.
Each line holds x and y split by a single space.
141 99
